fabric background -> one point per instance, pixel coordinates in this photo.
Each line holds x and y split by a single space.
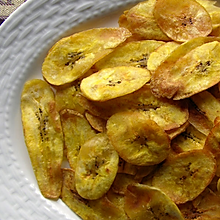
7 7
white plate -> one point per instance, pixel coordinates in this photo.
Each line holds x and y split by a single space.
25 38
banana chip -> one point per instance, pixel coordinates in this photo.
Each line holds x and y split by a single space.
96 168
145 202
99 209
77 131
208 104
73 56
182 20
133 53
43 136
160 54
137 139
141 22
185 176
204 207
114 82
188 71
188 140
69 98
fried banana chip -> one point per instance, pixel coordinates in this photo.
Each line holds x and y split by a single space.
214 12
72 199
198 119
133 53
188 140
96 168
184 76
114 82
204 207
71 57
160 54
96 122
208 104
146 202
99 209
137 139
68 98
182 21
141 22
43 136
76 131
185 176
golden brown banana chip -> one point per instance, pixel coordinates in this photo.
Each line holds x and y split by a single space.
182 20
43 136
96 122
133 53
172 133
187 72
141 22
114 82
96 168
198 119
146 202
160 54
214 12
208 104
122 180
185 176
204 207
190 139
76 131
137 139
71 57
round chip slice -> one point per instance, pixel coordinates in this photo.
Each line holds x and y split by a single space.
114 82
185 176
137 139
182 20
96 167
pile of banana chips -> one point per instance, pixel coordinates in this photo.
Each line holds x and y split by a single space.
126 121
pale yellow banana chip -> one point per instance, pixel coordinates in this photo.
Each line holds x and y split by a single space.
160 54
69 98
43 136
182 20
146 202
141 22
73 56
99 209
133 53
137 139
96 168
114 82
185 176
77 131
